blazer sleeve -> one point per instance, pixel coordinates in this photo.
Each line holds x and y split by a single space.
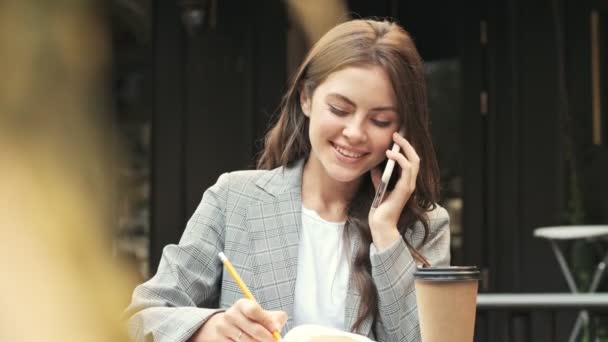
393 273
184 292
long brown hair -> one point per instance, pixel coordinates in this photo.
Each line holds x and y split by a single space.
363 43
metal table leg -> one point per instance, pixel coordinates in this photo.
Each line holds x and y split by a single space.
583 316
573 288
564 266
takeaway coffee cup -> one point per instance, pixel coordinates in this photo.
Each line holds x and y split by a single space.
447 300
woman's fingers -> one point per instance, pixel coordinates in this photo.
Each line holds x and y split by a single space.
254 312
245 321
224 329
405 179
278 319
250 318
409 162
233 333
411 156
408 151
395 200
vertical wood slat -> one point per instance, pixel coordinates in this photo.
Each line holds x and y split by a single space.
519 327
596 100
167 210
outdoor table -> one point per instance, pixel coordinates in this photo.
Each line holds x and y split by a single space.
586 232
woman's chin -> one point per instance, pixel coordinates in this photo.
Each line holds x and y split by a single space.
345 175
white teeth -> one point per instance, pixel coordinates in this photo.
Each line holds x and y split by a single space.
348 153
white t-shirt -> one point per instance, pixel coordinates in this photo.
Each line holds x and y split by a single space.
322 275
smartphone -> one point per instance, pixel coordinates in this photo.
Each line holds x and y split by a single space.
394 176
390 169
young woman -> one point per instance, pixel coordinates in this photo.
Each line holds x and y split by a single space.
299 230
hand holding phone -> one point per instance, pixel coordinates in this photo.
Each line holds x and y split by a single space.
386 176
388 206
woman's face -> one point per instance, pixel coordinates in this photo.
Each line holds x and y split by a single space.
352 118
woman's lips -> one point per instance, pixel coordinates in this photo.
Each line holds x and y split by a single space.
348 155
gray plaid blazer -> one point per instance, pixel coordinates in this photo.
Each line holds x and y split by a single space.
254 217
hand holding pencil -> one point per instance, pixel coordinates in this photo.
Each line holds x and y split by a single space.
244 321
251 309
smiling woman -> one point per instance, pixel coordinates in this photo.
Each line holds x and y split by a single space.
347 133
302 223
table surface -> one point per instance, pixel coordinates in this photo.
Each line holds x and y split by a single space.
572 232
543 300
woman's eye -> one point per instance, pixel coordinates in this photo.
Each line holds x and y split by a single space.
337 111
381 123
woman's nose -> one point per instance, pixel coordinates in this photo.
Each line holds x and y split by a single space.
354 131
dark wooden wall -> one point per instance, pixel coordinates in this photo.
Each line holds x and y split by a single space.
527 175
214 94
524 160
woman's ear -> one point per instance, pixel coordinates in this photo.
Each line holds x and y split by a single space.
305 102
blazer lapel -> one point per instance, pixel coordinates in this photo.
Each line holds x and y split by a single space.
274 225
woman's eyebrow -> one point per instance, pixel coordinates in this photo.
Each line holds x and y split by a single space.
350 102
342 98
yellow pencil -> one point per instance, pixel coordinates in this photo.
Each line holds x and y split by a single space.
242 285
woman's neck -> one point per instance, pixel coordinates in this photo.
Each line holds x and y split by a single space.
323 194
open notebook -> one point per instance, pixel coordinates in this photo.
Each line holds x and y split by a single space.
317 333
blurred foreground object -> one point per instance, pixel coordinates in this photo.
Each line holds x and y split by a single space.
59 281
